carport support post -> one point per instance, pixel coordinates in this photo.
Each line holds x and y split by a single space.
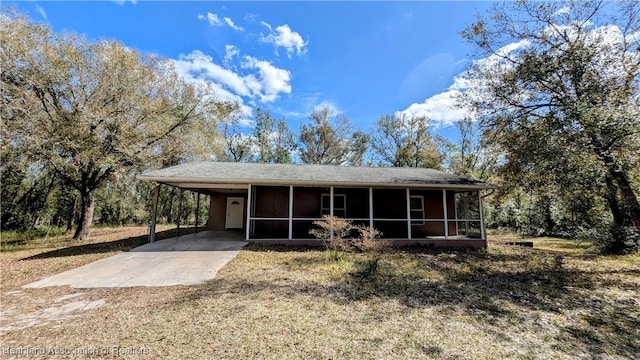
154 212
197 210
179 212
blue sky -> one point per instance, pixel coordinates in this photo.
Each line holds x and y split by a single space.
365 59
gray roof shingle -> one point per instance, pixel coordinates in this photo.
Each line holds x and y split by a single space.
259 173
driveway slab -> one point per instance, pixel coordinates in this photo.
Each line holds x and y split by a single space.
187 260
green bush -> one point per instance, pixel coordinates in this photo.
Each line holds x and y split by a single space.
616 239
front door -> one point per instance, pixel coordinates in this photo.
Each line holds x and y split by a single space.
235 210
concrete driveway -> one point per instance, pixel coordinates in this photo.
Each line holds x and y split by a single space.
187 260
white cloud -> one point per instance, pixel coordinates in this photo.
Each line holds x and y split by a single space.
212 18
440 108
231 51
199 65
262 80
562 11
232 24
271 81
284 37
333 108
41 11
245 121
266 24
633 37
215 20
498 58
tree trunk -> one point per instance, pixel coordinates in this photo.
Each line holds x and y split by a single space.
86 216
612 199
628 197
621 179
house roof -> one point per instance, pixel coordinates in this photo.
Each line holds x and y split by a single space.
211 174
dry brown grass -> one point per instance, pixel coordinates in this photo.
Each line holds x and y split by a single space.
553 301
60 253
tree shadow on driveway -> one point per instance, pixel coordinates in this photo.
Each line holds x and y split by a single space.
105 247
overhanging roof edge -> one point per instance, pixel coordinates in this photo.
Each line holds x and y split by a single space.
199 180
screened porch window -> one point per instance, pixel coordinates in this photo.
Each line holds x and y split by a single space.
416 206
339 205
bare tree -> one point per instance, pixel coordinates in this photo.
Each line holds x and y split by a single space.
238 146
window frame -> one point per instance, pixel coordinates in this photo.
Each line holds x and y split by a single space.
412 209
328 208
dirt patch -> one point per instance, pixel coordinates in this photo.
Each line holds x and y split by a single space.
63 308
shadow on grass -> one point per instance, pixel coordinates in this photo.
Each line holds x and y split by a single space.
103 247
495 288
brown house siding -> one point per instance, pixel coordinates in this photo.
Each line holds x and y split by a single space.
357 202
218 211
388 204
271 201
306 201
389 211
433 210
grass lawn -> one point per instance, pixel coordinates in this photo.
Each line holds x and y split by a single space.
555 300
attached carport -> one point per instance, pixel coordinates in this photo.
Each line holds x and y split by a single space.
218 193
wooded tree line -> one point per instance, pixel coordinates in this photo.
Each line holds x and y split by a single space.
555 98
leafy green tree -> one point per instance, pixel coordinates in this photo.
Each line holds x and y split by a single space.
401 141
24 196
470 156
90 110
557 90
275 142
329 139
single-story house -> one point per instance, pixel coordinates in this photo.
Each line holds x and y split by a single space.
278 203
